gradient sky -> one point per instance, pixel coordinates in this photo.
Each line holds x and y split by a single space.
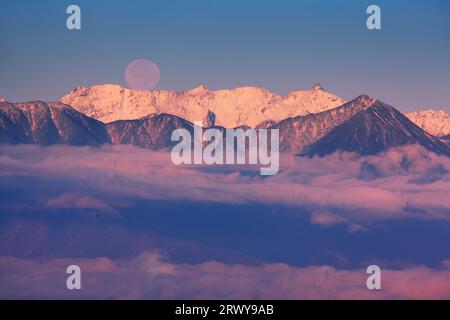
280 45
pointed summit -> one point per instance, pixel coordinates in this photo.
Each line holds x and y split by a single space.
78 88
202 89
296 133
364 99
375 129
232 107
317 86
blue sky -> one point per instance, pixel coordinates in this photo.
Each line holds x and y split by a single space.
280 45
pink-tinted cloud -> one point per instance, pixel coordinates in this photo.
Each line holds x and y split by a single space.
149 276
74 200
402 183
325 218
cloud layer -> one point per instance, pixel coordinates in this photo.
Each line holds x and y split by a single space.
342 188
148 276
402 184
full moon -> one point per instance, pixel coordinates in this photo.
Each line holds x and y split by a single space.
142 74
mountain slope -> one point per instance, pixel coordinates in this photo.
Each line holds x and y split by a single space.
231 108
14 126
374 130
298 132
153 132
49 123
446 139
363 125
435 122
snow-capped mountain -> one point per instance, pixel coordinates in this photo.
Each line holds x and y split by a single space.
49 123
230 108
363 125
295 132
435 122
152 132
301 131
373 130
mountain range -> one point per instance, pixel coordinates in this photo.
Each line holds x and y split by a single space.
242 106
375 129
248 106
49 123
363 125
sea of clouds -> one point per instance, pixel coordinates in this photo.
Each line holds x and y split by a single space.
406 182
149 277
342 189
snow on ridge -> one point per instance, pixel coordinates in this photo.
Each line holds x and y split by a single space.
245 105
232 107
433 121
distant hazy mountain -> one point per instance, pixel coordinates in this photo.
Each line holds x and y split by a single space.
373 130
49 123
435 122
231 108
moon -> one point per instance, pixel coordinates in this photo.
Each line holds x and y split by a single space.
142 74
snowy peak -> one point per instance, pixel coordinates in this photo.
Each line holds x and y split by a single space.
365 100
317 86
363 125
49 123
361 102
299 132
435 122
373 130
200 90
231 107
